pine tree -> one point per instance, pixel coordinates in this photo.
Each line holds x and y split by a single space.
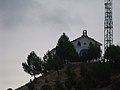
33 66
94 52
57 63
47 62
65 49
112 54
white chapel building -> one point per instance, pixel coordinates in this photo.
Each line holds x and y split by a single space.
82 43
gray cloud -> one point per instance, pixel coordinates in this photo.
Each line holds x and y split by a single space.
16 13
12 12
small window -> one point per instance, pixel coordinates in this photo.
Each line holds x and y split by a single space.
84 43
79 44
90 43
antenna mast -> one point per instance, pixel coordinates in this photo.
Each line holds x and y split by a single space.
108 25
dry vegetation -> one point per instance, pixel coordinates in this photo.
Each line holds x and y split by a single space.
52 76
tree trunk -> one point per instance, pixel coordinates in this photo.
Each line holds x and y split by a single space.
34 77
58 73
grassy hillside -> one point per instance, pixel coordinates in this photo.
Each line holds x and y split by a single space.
52 77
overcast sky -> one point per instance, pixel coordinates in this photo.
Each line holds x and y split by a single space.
36 25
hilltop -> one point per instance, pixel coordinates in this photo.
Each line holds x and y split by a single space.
51 78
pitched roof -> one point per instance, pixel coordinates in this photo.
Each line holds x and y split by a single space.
88 38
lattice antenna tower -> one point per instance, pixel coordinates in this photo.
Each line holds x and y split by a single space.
108 24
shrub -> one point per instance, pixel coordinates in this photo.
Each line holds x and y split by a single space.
46 80
59 85
83 69
101 72
79 85
46 87
71 74
116 86
68 84
68 70
95 74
